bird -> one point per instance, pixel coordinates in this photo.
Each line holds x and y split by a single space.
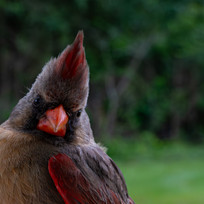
48 154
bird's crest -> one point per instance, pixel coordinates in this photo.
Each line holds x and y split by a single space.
72 61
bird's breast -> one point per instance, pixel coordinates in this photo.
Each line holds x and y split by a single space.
24 176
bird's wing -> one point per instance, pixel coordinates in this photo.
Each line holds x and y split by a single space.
75 187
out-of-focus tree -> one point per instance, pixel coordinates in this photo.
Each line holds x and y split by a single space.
146 60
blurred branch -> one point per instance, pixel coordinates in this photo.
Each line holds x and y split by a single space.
115 91
141 50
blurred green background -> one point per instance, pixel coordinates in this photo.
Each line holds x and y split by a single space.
146 101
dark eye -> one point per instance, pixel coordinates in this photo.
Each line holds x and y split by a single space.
37 101
78 113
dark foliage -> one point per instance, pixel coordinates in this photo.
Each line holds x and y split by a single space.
145 57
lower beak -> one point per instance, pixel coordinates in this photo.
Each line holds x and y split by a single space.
54 122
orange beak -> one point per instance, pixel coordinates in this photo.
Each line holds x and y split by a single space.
54 122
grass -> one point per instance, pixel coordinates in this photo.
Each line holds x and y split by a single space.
165 182
158 173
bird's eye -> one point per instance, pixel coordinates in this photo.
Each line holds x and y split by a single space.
78 113
37 101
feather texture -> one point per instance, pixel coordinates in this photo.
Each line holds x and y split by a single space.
72 61
74 186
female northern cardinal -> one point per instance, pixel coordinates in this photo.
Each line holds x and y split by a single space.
47 151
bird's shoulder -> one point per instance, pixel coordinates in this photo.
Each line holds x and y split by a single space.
98 167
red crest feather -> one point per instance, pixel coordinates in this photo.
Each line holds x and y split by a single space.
72 60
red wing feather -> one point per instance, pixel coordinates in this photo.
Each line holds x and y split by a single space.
74 187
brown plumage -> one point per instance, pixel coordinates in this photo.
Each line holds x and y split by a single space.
45 159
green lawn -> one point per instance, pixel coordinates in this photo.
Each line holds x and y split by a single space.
159 172
165 181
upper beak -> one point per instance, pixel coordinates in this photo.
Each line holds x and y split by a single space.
54 122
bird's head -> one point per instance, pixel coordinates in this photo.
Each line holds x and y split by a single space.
55 105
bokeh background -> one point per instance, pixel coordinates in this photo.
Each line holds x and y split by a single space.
146 101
